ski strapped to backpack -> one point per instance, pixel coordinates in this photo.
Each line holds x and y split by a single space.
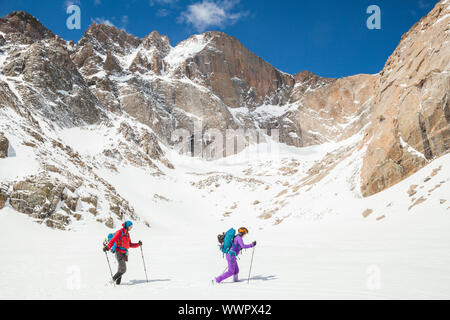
114 247
226 241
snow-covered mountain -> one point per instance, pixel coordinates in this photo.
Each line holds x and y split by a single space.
313 239
75 117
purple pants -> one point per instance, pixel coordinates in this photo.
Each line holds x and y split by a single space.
233 270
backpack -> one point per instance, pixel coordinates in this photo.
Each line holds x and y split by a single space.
226 241
108 240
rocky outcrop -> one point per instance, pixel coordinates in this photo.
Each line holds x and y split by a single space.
3 199
150 55
410 119
144 147
333 110
56 80
111 64
22 27
103 38
39 199
43 71
4 146
57 204
306 81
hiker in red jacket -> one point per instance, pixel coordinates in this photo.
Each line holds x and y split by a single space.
123 242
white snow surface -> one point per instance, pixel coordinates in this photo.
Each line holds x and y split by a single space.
21 160
324 249
186 49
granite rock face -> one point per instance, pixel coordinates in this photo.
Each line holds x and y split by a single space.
4 146
231 71
45 72
22 27
213 81
410 120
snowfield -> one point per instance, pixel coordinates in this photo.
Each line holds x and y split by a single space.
316 245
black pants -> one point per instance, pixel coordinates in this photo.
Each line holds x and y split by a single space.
122 260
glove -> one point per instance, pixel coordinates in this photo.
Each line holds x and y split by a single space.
140 243
254 243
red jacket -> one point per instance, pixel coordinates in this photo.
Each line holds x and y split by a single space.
123 242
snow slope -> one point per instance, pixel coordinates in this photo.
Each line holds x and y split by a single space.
332 252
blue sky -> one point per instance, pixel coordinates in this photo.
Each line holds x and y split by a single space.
327 37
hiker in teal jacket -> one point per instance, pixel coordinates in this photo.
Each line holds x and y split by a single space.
237 246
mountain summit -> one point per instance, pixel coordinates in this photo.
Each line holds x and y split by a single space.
80 113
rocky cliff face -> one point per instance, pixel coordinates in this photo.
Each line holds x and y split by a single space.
334 110
4 145
210 78
40 78
41 70
410 118
23 28
42 93
136 93
233 73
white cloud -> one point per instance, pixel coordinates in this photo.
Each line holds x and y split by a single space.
209 13
162 2
124 21
423 5
163 12
101 20
68 3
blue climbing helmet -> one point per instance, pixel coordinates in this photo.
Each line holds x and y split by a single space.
127 225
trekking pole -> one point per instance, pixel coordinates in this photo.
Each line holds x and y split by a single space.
253 253
110 270
145 268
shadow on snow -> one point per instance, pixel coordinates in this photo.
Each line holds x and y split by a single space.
263 278
138 282
255 278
